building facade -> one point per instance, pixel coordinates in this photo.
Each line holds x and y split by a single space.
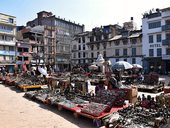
127 46
42 44
7 41
156 35
114 42
65 31
79 49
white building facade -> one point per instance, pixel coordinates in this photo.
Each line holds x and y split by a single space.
7 40
156 41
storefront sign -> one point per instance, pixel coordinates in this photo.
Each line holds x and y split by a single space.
155 45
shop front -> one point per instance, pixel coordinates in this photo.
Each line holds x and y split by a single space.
154 64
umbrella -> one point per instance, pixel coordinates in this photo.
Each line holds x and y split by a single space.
93 67
122 65
137 66
42 71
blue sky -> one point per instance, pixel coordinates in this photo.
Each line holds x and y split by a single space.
91 13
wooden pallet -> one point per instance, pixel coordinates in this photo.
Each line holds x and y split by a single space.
150 89
26 87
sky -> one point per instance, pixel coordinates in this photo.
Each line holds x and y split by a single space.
91 13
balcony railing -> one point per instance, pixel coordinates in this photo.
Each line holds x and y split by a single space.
10 43
165 27
165 57
166 42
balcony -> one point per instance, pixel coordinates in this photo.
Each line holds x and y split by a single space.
4 52
166 42
165 27
165 57
9 43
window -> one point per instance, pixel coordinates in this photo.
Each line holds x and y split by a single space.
20 58
92 55
84 47
74 47
117 60
74 55
79 55
159 52
98 37
4 48
79 47
134 41
106 36
84 54
98 53
133 60
125 41
133 51
168 51
158 38
4 57
150 38
19 49
168 36
98 46
83 38
11 20
117 52
167 22
11 48
25 58
125 60
104 53
91 38
156 24
27 49
92 47
125 52
151 52
84 61
79 40
117 42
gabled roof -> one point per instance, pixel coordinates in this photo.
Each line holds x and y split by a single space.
134 35
116 37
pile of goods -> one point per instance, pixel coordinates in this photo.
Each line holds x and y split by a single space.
40 95
54 100
138 117
111 97
67 103
164 99
29 80
151 79
94 109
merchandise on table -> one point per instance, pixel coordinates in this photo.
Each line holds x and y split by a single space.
67 103
94 109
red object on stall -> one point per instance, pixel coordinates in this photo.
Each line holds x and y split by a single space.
166 89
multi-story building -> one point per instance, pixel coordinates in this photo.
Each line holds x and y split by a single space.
114 42
156 35
65 31
79 49
7 40
42 44
99 41
126 46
